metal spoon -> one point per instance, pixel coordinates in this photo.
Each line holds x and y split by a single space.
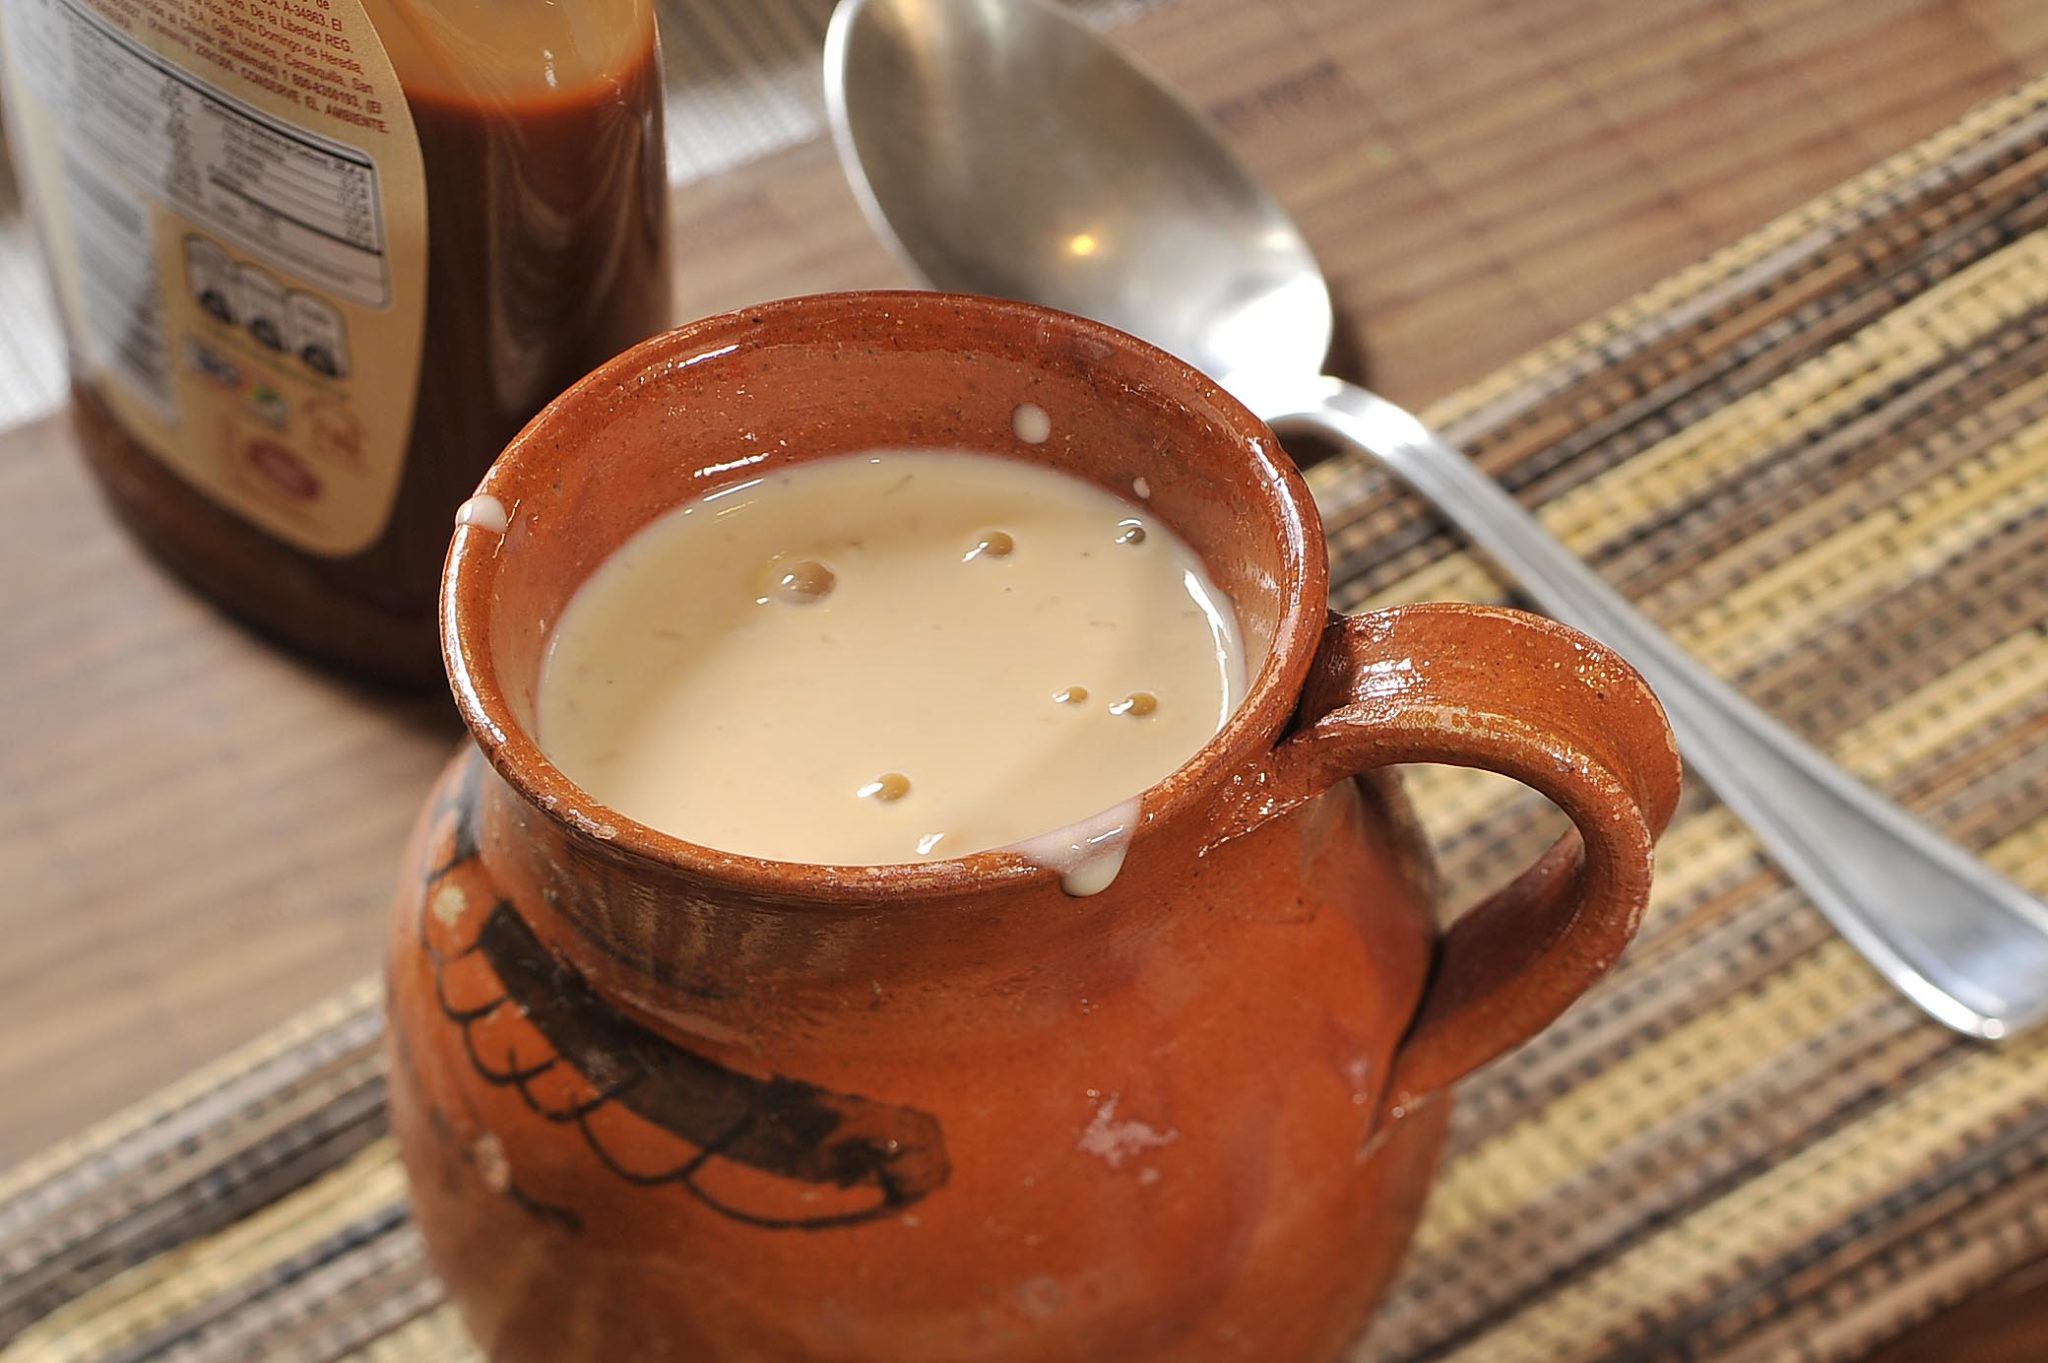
1002 147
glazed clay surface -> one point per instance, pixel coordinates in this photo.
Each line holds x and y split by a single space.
662 1102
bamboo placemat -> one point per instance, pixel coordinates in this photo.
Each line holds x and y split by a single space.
1821 458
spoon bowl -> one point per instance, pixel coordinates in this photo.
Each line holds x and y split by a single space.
962 119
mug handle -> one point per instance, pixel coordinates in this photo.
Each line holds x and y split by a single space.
1518 694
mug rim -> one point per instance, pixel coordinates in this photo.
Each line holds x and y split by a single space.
469 579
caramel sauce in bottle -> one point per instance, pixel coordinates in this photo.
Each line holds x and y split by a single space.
540 134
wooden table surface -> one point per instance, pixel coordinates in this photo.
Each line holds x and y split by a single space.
196 834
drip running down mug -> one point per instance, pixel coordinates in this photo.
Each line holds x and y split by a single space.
660 1102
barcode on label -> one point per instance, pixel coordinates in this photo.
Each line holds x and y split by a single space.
124 323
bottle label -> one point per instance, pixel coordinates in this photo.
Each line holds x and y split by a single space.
231 198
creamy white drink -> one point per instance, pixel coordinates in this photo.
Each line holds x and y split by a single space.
889 657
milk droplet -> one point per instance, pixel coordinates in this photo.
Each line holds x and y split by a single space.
1087 855
995 544
805 583
889 787
1140 703
1115 1141
1130 531
487 1153
1031 423
1142 488
449 904
483 512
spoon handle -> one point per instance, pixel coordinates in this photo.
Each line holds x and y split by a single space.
1966 945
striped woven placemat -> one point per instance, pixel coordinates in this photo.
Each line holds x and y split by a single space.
1821 458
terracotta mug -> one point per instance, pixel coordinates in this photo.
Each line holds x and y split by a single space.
660 1102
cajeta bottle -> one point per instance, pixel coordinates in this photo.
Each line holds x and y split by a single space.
318 260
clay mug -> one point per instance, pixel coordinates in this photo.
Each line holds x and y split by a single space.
660 1102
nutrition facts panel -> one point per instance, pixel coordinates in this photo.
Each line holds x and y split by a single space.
308 204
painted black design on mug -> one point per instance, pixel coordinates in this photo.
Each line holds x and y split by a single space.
545 1212
585 1065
